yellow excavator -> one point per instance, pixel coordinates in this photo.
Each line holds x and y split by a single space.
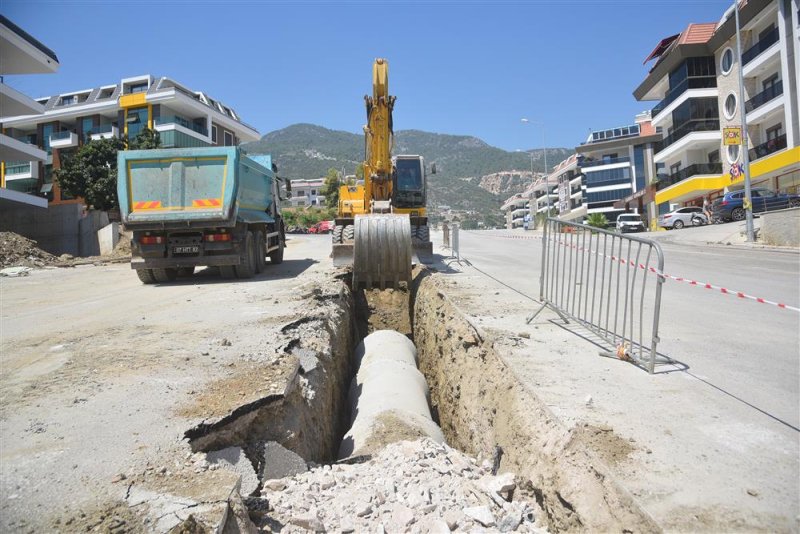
381 226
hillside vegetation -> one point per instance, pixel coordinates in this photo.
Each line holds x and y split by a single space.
308 151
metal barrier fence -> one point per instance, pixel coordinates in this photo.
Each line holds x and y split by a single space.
450 240
607 282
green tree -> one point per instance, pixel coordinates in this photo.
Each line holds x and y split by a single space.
360 171
91 172
145 140
597 220
331 188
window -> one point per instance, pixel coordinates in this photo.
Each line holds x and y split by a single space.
136 121
730 106
726 62
713 156
774 132
765 34
313 191
733 153
87 125
137 88
675 168
228 139
214 134
67 100
47 129
770 82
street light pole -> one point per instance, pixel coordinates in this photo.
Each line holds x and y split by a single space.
546 173
748 201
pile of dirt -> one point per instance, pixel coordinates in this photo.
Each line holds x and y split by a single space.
18 251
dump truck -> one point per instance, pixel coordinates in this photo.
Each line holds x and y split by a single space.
208 206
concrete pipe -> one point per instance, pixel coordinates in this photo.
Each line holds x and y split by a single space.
388 396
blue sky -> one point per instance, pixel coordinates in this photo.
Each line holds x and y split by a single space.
456 67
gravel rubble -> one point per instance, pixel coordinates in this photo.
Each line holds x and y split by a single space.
409 486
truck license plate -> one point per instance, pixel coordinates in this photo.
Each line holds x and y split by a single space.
190 249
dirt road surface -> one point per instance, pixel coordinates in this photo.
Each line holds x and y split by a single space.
101 376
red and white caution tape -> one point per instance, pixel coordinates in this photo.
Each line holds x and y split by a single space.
631 263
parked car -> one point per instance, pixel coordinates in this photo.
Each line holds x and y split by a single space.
629 222
681 217
730 207
322 227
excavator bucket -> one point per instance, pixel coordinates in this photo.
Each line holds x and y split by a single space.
381 251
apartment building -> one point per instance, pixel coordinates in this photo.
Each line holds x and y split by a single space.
516 209
571 189
20 53
307 193
182 116
695 77
617 167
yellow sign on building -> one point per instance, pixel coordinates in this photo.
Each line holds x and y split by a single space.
732 136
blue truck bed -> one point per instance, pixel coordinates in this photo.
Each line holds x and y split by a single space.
199 206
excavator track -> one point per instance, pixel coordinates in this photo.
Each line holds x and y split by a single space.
382 251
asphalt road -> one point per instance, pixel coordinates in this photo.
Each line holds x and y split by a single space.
747 349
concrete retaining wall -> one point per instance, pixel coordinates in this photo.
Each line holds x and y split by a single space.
781 227
59 229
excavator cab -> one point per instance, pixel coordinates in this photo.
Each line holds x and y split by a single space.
408 187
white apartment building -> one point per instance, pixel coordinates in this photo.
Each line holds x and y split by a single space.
695 77
516 208
571 189
307 193
183 118
20 54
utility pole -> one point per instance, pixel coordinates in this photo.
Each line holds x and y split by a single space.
748 200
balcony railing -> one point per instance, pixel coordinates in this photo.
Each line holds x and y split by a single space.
607 161
765 149
695 82
101 129
697 125
29 139
754 51
55 136
186 123
764 96
688 172
18 168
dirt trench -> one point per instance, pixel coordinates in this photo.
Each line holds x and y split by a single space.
479 404
482 406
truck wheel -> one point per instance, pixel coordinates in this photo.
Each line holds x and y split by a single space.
261 252
276 256
146 276
185 271
349 233
337 234
165 275
247 268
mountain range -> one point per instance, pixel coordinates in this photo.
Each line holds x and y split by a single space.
307 151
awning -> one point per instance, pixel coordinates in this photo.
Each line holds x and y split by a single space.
646 195
662 45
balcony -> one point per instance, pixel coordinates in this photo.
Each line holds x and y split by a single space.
181 121
770 147
697 82
22 170
606 161
689 127
104 131
757 49
63 139
764 96
692 170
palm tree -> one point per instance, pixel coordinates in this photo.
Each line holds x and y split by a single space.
598 220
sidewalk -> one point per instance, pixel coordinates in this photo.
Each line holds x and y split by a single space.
693 456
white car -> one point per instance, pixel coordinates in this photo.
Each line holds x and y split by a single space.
629 222
681 217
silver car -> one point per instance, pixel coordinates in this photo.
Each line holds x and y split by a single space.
681 217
